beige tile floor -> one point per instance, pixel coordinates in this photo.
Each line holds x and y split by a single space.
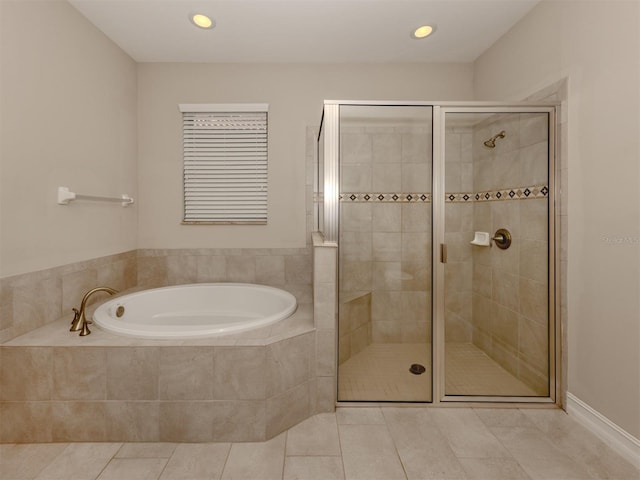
470 371
353 443
380 372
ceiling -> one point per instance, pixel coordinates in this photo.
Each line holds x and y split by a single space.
294 31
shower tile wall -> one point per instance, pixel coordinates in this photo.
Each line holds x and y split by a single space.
458 233
385 242
510 287
355 327
495 299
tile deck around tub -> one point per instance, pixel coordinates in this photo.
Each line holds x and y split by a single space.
57 334
353 443
60 387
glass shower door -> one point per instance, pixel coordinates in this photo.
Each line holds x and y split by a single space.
497 321
385 237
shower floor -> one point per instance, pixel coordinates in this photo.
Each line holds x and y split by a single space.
380 372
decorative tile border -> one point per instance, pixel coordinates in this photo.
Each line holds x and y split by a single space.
518 193
379 197
536 191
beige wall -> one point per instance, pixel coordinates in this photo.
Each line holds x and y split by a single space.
295 94
68 113
597 46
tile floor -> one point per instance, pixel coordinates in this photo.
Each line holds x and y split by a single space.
470 371
353 443
380 372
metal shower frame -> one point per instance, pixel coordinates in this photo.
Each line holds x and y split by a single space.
330 126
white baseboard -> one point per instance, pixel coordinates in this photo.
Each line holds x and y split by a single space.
621 441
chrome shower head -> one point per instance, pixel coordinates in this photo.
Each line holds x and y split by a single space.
491 143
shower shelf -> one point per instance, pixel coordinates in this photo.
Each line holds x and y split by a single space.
481 239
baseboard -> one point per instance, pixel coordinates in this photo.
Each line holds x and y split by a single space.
621 441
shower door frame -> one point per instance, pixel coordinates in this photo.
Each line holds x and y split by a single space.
331 124
439 119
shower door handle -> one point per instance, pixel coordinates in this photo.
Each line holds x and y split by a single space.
443 253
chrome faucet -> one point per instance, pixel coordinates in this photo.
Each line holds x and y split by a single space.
79 321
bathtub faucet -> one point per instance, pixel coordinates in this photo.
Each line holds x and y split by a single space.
79 321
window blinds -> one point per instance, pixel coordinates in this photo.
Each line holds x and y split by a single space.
225 163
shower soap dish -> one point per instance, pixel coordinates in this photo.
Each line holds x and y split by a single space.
481 239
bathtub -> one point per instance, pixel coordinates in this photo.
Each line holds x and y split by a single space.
194 311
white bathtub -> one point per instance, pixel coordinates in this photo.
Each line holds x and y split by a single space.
193 311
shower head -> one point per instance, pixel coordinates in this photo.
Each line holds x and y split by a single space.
491 143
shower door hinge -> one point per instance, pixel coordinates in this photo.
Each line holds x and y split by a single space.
443 253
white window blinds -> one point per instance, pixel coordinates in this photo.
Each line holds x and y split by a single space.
225 163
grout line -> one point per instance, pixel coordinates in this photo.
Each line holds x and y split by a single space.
395 446
226 459
166 462
284 451
335 415
108 463
48 464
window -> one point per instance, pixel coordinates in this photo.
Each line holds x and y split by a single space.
225 163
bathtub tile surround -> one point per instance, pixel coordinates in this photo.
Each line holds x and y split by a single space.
238 373
289 364
26 374
155 391
288 269
31 300
89 380
132 373
137 419
186 374
245 387
287 409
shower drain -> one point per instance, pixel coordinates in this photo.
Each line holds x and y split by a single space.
417 369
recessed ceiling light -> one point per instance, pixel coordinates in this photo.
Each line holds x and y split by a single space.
201 21
422 32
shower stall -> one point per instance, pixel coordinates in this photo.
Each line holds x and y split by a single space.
443 214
